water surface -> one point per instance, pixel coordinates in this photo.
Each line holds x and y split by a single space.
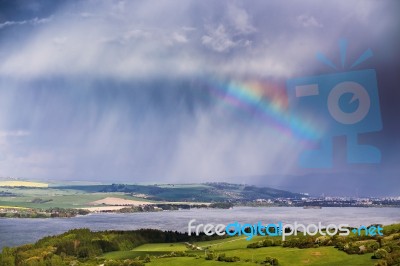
17 231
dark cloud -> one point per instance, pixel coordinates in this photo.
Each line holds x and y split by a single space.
123 90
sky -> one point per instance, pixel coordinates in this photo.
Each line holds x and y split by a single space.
187 91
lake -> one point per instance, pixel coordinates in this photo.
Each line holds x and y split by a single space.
17 231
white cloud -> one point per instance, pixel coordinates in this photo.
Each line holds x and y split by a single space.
240 20
59 40
223 38
87 15
180 38
309 21
140 39
35 21
218 39
17 133
6 135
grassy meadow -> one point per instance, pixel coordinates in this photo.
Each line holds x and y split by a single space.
236 246
150 247
54 197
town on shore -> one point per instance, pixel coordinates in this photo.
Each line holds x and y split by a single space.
25 199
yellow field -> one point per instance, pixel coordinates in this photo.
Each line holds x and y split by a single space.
12 207
22 184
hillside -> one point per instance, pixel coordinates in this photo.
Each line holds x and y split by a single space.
153 247
207 192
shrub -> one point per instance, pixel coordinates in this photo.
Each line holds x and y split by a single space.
209 256
271 261
112 263
380 254
223 257
133 263
254 245
340 245
265 243
232 259
381 263
147 259
323 240
299 242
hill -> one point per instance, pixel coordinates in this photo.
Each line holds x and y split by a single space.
154 247
207 192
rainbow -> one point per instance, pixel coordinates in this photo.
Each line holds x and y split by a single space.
268 101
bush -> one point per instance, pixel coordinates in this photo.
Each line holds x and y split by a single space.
372 246
381 263
232 259
265 243
380 254
340 245
123 263
299 242
223 257
323 240
133 263
147 259
271 261
112 263
209 256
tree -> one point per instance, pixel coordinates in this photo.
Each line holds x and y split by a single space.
7 260
7 257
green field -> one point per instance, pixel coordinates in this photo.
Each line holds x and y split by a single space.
55 197
143 250
238 247
76 195
154 247
121 248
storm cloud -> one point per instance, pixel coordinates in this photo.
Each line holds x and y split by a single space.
119 91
